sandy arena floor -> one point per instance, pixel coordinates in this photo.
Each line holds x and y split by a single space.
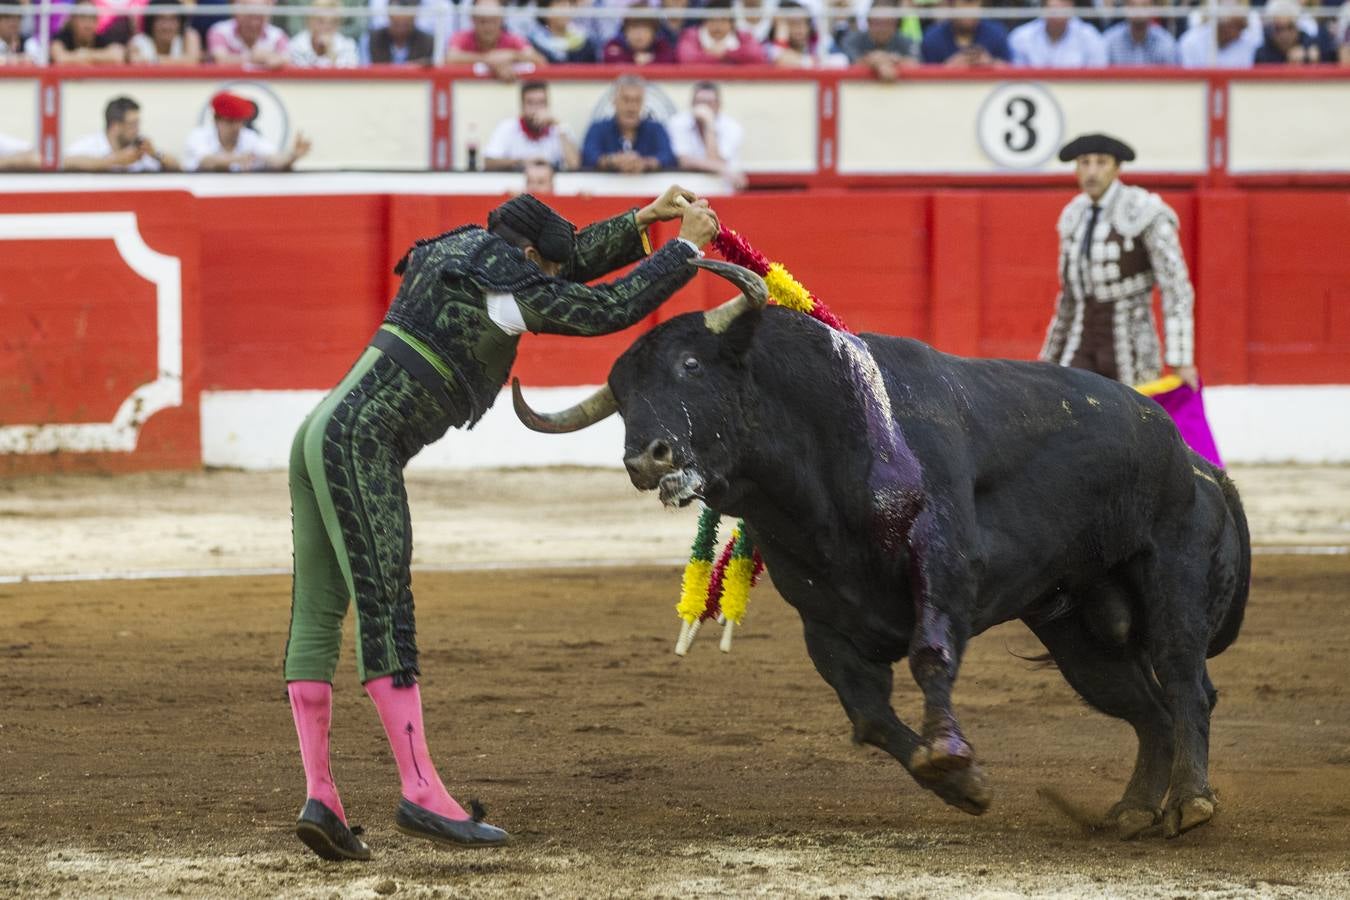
146 747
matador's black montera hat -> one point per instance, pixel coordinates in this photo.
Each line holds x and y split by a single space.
1097 143
528 218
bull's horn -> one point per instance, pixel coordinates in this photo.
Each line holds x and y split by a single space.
753 294
597 406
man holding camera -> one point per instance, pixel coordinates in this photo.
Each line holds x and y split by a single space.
120 147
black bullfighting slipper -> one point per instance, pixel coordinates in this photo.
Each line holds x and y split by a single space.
324 833
418 821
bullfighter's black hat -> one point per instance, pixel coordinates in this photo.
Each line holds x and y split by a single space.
1097 143
533 220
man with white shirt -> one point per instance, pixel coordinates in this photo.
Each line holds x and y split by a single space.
120 146
248 40
1233 43
705 139
1058 40
1137 41
535 135
226 145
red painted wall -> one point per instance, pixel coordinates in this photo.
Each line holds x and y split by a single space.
294 286
78 331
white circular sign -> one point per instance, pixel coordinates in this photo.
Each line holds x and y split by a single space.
1020 125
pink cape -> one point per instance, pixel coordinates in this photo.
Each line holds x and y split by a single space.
1187 409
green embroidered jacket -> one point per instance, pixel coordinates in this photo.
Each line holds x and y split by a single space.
442 305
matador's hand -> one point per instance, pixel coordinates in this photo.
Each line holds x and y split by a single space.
667 206
1190 375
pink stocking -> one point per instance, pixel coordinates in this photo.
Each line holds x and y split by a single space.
400 710
312 707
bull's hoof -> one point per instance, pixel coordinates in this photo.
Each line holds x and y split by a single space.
949 753
1183 815
1131 821
966 789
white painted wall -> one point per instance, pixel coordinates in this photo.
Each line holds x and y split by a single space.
253 429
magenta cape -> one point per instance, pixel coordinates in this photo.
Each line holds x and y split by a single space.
1187 409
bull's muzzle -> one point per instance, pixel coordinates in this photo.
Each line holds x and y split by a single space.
647 468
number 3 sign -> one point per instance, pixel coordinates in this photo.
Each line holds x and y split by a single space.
1020 126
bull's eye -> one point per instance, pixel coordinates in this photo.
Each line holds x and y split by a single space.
691 364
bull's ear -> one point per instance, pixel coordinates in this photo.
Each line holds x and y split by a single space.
740 335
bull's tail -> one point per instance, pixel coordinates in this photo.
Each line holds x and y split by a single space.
1231 623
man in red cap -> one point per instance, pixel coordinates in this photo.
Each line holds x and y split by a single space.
228 145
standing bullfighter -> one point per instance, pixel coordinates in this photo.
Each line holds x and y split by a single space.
437 362
1115 243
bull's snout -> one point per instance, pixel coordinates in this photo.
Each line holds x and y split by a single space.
647 468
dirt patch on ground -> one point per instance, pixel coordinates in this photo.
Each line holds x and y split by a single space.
226 519
146 749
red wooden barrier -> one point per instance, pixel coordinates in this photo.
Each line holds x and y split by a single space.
291 288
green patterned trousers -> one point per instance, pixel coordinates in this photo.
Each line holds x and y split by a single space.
351 525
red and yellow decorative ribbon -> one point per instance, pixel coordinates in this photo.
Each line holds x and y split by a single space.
722 589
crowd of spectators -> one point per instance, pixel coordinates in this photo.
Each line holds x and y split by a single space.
510 37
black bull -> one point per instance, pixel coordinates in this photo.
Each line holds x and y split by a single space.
905 500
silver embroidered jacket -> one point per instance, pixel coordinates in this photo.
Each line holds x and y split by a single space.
1134 245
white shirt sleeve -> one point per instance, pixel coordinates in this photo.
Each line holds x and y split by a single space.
505 312
730 137
95 145
499 144
201 143
684 137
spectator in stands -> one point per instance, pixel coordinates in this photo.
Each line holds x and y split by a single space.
705 139
1236 48
880 46
755 17
1138 41
841 16
796 43
79 43
400 42
248 40
558 38
640 42
322 45
120 146
487 41
965 42
115 21
352 26
535 135
227 145
429 13
204 17
1286 43
669 26
538 177
18 156
1343 33
716 40
165 39
11 41
1058 40
628 142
